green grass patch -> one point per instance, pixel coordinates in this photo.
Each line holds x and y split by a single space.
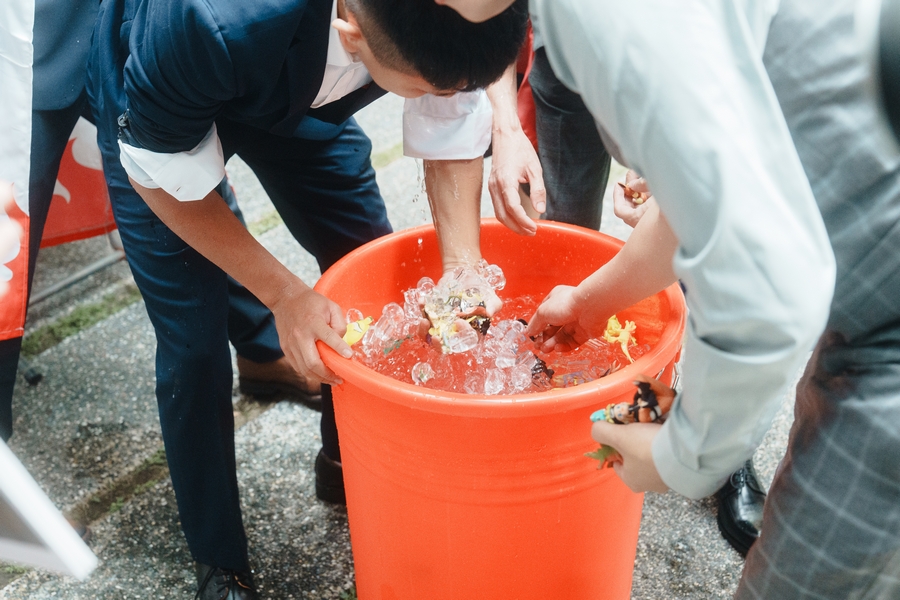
349 594
386 157
260 226
117 505
158 458
14 570
81 318
140 489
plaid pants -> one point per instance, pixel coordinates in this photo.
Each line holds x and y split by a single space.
831 527
832 518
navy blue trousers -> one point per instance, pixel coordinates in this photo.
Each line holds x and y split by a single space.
50 130
327 196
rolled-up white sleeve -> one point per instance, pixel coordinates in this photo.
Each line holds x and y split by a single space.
453 128
682 89
186 176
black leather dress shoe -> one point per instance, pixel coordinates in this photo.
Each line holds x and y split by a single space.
329 480
224 584
277 379
740 503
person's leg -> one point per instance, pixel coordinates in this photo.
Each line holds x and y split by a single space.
263 372
186 298
574 161
50 130
326 193
832 520
251 326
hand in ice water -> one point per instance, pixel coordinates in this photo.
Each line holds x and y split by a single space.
564 321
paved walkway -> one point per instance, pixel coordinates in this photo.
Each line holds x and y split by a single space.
89 434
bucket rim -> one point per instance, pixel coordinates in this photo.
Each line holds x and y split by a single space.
555 400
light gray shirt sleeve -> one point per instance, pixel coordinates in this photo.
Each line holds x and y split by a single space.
681 89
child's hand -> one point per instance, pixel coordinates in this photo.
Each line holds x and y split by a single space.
557 324
628 207
633 443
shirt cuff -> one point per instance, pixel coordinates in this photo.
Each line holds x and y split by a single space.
726 406
186 176
454 128
685 480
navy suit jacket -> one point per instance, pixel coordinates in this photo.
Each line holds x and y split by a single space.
62 38
189 62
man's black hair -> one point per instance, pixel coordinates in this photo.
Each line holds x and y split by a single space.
439 45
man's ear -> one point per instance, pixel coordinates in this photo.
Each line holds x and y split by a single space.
350 33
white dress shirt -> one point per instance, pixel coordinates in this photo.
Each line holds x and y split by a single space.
681 89
438 128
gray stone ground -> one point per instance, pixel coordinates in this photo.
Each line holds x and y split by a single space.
92 421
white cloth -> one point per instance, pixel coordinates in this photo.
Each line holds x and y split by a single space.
681 89
454 128
187 175
457 127
16 52
16 55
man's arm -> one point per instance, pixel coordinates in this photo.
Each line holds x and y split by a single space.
514 160
696 115
302 316
454 195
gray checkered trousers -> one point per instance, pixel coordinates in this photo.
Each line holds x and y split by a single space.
832 519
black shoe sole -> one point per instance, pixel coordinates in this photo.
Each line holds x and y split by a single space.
329 493
267 390
329 480
738 540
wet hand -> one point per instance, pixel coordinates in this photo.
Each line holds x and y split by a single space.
467 278
515 162
634 464
303 317
557 324
628 207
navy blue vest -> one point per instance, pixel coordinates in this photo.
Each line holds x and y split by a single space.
189 62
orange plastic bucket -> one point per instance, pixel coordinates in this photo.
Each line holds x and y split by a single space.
461 497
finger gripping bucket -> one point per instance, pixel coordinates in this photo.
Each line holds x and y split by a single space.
460 497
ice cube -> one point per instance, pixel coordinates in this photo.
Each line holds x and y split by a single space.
520 377
412 308
494 382
421 373
495 277
505 358
474 383
425 286
463 340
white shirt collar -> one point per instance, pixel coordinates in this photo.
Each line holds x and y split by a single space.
337 55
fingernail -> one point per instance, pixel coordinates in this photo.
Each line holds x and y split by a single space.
347 353
541 206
